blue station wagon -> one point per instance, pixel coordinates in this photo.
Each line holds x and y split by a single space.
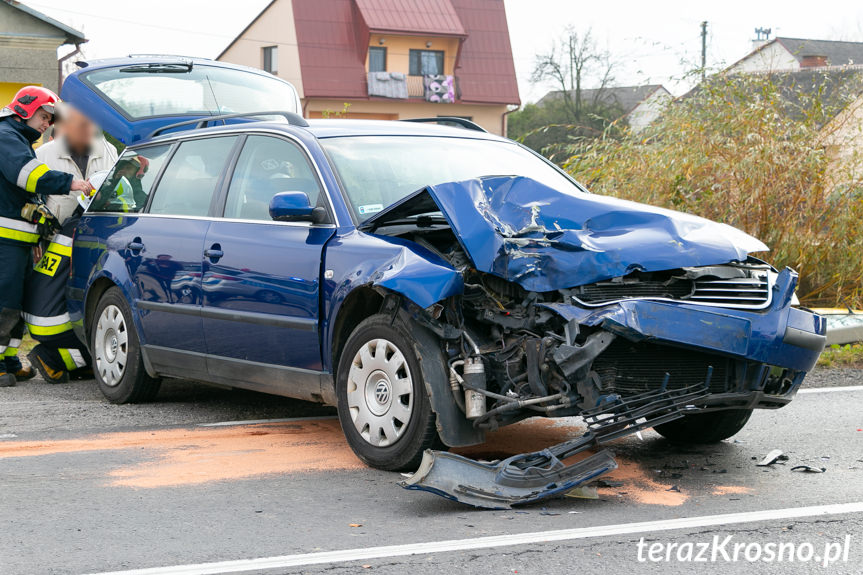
432 282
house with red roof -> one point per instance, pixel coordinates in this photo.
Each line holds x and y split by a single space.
387 59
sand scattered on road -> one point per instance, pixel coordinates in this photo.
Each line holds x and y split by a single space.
189 456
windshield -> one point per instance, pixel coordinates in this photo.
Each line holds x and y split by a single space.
140 91
377 171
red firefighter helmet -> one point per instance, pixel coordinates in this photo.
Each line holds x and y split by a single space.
28 100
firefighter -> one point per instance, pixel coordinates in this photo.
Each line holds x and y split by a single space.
59 354
23 180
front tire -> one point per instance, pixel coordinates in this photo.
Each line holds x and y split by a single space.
710 427
383 405
117 361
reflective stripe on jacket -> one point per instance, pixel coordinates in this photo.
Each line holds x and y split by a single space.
22 176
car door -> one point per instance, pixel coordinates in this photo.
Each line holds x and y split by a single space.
262 278
165 254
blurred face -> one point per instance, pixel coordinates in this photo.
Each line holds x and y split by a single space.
40 120
78 130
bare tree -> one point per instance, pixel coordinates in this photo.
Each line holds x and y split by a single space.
570 61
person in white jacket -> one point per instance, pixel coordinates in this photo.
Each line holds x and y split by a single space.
81 150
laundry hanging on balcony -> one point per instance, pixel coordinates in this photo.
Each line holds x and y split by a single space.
439 88
388 85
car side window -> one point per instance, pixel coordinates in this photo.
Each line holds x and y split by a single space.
190 180
128 184
267 166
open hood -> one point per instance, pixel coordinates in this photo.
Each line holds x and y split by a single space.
131 97
543 239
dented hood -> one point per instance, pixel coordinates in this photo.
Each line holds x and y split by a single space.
544 239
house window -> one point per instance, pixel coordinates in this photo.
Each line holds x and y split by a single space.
426 62
271 59
377 59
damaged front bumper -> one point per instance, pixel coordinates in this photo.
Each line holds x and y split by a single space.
764 354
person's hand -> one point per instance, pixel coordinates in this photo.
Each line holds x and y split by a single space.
81 186
37 253
92 191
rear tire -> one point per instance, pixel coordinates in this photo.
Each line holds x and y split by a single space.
383 405
117 361
710 427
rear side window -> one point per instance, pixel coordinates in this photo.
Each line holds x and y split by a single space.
127 186
190 180
267 166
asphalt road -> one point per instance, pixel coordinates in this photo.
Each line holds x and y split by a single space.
89 487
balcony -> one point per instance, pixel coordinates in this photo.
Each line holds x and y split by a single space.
402 86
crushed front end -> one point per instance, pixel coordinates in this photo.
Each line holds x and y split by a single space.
729 341
574 304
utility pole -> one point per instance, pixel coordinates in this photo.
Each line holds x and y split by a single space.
703 49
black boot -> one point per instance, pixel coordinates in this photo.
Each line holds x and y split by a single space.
16 368
7 379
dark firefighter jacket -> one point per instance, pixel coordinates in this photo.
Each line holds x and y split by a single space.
22 176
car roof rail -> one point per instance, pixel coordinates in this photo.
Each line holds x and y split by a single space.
292 118
461 122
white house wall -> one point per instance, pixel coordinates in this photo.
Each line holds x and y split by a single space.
772 56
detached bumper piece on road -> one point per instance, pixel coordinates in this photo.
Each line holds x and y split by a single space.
533 476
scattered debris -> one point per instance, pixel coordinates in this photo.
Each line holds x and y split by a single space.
675 488
355 525
547 512
772 457
533 476
608 483
809 469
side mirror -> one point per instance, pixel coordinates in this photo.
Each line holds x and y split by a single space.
295 207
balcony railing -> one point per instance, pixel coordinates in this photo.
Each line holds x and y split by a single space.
413 85
416 88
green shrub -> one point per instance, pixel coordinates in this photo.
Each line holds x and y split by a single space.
760 153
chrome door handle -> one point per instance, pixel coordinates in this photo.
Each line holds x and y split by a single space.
135 245
214 253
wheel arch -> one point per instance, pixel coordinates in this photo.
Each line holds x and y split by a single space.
365 301
360 303
94 294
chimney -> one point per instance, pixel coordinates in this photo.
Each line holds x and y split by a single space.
813 61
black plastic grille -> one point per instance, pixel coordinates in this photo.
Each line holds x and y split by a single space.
627 368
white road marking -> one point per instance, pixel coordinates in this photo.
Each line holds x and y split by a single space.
345 555
831 389
257 421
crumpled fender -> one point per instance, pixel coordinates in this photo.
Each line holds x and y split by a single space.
356 259
546 239
419 275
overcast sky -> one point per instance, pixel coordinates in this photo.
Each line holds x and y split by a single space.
654 42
